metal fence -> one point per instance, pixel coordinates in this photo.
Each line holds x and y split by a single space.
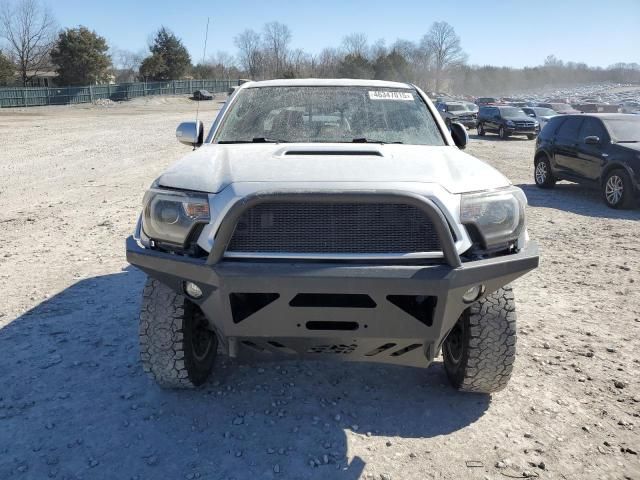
34 96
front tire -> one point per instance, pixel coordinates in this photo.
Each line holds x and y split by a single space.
480 349
532 136
176 346
480 129
542 173
617 190
502 133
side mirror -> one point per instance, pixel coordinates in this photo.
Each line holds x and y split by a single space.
592 140
190 133
459 135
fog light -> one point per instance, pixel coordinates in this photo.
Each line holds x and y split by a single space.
473 294
192 290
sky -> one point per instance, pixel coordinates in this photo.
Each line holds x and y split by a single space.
504 33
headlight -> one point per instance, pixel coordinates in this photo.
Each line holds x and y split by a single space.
535 123
498 215
510 123
169 217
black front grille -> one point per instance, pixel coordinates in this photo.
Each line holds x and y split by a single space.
334 228
525 124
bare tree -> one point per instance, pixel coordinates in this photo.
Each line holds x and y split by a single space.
379 49
127 64
553 62
249 53
301 63
276 38
355 44
29 30
327 62
223 64
444 45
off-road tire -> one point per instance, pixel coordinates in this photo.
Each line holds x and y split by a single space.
480 129
622 179
502 133
486 333
175 348
542 173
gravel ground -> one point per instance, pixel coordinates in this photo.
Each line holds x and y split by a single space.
74 402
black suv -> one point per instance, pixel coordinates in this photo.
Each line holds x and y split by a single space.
506 121
598 149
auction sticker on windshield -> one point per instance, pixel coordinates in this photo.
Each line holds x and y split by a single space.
386 95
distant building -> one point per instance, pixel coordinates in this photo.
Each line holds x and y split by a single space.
46 78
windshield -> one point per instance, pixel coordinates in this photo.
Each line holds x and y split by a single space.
512 112
624 129
329 115
454 107
545 112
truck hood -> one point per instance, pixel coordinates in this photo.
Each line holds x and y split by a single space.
213 167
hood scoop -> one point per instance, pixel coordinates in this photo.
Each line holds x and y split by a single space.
323 152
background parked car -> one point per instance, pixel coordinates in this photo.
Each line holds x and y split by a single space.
202 95
457 112
485 101
541 114
561 108
596 108
602 150
630 106
506 121
472 107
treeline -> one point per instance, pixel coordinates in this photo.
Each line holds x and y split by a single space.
489 80
436 62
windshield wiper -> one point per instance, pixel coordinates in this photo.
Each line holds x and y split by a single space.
369 140
267 140
255 140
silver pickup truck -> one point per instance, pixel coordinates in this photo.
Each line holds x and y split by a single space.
334 219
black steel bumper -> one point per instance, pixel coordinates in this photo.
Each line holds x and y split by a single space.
386 313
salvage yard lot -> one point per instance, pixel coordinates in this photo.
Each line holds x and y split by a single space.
74 402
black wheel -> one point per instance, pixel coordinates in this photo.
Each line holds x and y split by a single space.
480 129
503 133
480 349
617 190
542 173
177 347
532 136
